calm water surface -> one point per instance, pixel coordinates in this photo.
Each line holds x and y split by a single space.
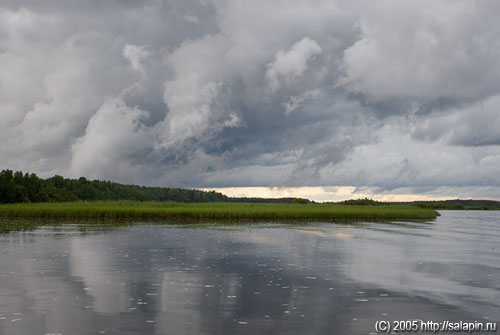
260 279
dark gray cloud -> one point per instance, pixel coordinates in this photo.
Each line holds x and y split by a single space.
212 93
477 124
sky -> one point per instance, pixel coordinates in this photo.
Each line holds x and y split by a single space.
326 99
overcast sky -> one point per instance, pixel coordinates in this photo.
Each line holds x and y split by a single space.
385 97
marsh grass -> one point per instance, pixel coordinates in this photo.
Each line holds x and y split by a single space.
214 210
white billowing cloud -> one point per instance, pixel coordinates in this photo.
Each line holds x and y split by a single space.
424 50
260 29
113 135
65 85
291 64
190 103
135 54
193 93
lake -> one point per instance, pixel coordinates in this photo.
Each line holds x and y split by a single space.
249 279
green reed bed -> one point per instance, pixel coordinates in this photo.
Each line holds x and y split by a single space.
229 211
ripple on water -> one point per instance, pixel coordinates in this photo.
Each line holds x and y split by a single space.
249 279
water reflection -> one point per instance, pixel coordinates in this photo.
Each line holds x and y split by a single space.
321 279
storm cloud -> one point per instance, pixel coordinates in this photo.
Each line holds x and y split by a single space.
384 95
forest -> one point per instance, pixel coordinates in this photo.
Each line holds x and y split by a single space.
16 187
19 187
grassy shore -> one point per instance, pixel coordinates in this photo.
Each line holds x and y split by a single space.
227 211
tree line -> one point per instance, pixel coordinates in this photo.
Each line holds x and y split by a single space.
18 187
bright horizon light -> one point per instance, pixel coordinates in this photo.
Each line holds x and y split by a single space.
328 193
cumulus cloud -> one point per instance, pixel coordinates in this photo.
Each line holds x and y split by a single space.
192 95
424 50
290 65
231 93
113 137
135 55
